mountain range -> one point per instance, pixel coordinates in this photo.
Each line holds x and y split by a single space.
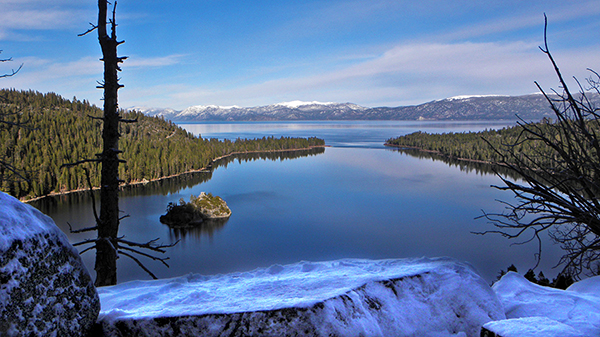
527 107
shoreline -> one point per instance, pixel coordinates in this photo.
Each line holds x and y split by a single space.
442 154
146 181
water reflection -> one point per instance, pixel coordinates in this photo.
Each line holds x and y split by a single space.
56 203
76 208
463 165
206 228
273 156
52 204
175 184
349 202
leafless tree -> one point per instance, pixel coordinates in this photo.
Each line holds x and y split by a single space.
560 198
108 244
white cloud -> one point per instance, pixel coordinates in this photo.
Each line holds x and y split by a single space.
18 17
161 61
461 61
472 60
76 77
35 19
565 11
405 74
38 2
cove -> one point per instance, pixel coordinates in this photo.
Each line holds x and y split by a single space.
355 199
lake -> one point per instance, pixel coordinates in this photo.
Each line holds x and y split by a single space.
354 199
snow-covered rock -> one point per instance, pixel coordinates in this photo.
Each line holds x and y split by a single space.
534 310
530 327
352 297
45 289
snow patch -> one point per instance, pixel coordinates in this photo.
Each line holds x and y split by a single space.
532 327
200 109
296 104
463 97
14 214
350 297
531 307
298 285
149 111
43 277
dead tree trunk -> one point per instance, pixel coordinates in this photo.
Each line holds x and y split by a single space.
108 228
108 244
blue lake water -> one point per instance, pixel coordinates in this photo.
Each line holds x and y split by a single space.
354 199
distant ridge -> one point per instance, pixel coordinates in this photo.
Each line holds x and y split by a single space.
481 107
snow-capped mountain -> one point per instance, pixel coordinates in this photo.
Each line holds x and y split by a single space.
294 110
297 104
153 111
477 107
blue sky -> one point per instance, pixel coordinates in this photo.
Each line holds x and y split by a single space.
249 53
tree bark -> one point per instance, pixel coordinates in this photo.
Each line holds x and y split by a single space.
108 228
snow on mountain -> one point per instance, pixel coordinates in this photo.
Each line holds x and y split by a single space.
294 110
204 109
297 104
463 97
154 111
467 107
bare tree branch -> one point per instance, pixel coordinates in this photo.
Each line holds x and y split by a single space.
140 264
87 249
148 245
146 255
92 28
85 242
560 178
82 230
13 72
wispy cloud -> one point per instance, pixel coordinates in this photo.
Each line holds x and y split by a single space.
35 19
41 72
566 11
136 61
405 74
370 52
18 16
76 77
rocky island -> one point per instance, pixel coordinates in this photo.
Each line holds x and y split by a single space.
205 207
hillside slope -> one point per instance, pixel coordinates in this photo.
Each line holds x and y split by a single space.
57 131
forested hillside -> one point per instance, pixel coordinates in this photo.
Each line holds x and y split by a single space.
54 131
476 146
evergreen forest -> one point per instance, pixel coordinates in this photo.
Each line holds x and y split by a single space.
42 132
488 146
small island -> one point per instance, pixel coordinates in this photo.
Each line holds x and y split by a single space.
205 207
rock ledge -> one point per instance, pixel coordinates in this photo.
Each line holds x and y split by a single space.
351 297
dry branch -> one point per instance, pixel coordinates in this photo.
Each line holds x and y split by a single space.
561 198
